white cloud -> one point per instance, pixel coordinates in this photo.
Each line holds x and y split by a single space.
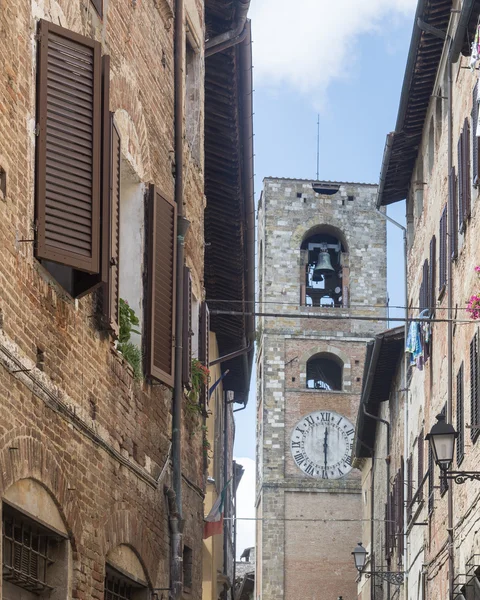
246 506
307 44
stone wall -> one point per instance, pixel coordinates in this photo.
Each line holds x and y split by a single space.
302 516
80 424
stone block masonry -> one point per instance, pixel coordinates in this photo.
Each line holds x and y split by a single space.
309 523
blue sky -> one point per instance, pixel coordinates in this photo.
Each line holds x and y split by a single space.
353 82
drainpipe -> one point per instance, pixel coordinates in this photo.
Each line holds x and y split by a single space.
233 34
176 551
387 460
175 517
451 562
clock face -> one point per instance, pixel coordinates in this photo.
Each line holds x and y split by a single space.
321 445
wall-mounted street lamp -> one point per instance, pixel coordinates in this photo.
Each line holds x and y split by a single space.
442 438
360 558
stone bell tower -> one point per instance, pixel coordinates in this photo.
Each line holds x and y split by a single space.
322 262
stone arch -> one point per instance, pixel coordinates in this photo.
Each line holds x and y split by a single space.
324 265
325 371
26 454
327 350
328 229
123 526
130 120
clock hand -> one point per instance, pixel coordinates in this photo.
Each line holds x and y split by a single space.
325 447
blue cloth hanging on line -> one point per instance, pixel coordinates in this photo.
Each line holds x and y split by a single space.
414 345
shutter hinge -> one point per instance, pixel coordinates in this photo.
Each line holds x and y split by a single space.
37 129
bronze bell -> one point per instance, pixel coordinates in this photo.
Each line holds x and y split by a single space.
324 266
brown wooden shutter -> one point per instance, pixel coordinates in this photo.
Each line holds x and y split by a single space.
474 399
187 326
409 487
452 213
401 504
442 262
84 283
431 475
460 417
111 290
424 288
161 287
475 154
461 184
420 463
203 346
443 480
68 148
432 275
466 166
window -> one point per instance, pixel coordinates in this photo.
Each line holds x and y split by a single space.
464 176
432 275
452 213
431 476
474 396
118 586
442 259
443 480
475 139
34 557
325 282
419 183
324 372
460 442
420 463
162 253
187 568
204 346
192 97
424 288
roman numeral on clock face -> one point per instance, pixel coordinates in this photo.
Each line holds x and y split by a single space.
299 459
309 469
310 420
295 444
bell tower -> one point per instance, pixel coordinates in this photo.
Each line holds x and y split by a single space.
322 264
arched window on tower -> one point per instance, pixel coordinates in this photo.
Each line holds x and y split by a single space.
324 269
324 372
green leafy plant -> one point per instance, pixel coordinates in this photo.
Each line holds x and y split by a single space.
130 351
200 378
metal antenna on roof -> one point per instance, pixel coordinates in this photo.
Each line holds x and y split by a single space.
318 145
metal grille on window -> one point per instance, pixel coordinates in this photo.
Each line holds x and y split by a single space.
117 588
460 417
25 552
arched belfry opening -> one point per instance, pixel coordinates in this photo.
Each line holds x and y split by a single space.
324 372
324 269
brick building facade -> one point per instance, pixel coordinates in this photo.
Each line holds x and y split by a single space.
309 368
90 165
431 160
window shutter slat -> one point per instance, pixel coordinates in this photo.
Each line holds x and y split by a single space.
69 120
474 137
187 327
112 214
466 166
161 289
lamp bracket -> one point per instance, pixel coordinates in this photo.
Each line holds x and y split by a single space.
393 577
462 476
